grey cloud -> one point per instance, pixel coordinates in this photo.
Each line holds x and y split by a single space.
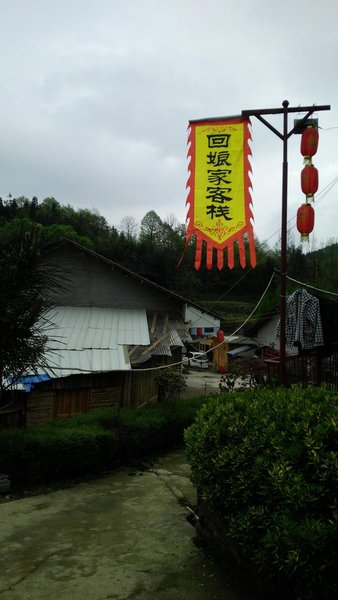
96 98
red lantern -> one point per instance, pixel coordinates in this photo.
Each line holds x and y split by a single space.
309 141
305 221
309 180
220 336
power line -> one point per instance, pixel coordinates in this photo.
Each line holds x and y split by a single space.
161 367
311 287
319 198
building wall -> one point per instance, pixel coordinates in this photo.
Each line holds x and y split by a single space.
103 398
12 409
70 396
94 282
47 405
40 408
139 389
267 336
197 318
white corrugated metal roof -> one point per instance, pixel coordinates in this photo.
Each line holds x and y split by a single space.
165 333
170 339
85 339
174 339
61 363
67 362
89 327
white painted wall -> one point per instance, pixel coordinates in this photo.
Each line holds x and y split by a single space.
266 336
197 318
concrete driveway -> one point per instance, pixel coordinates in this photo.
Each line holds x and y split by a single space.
123 537
201 382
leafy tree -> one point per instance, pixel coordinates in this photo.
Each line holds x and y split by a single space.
24 300
33 208
170 382
53 233
90 223
323 267
161 245
151 226
129 226
108 243
12 207
49 212
14 230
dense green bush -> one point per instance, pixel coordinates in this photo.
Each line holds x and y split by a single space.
141 430
48 453
104 418
155 426
91 443
266 464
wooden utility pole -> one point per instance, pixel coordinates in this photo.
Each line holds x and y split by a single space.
284 136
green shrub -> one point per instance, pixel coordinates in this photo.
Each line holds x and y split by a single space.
170 382
104 418
93 442
12 451
45 454
155 426
266 463
141 430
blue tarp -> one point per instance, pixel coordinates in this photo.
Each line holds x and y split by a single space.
28 381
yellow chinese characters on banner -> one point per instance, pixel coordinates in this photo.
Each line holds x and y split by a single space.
219 196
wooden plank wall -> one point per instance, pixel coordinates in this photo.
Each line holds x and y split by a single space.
40 408
139 389
41 404
104 397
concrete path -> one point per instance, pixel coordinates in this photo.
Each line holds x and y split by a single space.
201 382
121 537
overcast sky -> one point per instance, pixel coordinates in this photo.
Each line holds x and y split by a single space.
96 96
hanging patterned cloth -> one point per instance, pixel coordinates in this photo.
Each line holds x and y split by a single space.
219 184
303 325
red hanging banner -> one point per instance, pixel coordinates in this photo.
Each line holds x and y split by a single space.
219 198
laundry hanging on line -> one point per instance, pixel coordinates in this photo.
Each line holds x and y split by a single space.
303 325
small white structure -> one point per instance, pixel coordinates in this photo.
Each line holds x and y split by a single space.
266 336
201 323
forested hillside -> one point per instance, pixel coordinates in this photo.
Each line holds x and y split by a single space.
155 247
